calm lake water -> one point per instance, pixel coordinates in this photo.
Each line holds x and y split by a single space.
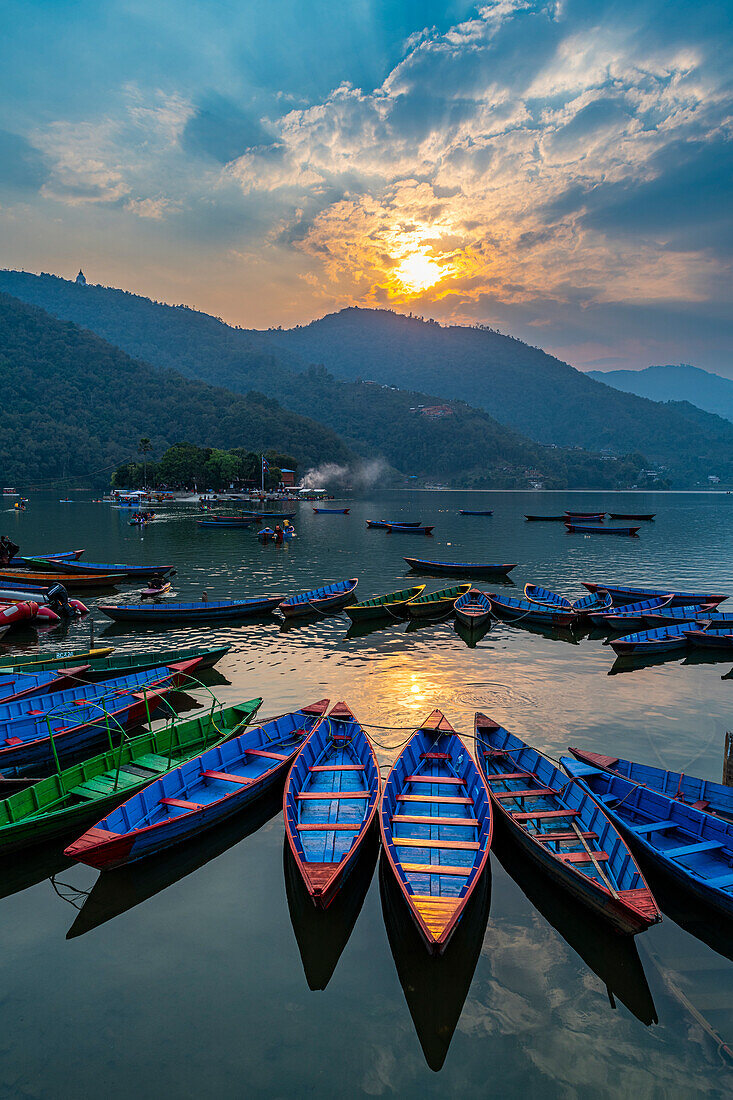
207 971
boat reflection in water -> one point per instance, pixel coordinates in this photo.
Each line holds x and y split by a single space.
613 957
435 986
630 663
322 934
471 636
27 868
115 892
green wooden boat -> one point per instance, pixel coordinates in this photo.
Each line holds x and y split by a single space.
106 668
50 659
381 606
436 603
87 791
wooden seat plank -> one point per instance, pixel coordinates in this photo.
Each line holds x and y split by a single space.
508 775
538 792
264 752
308 795
337 768
653 827
435 869
326 828
417 819
692 849
582 857
433 798
541 815
562 837
180 804
449 779
227 777
413 842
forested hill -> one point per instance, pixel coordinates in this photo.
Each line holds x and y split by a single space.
73 404
553 402
676 382
522 386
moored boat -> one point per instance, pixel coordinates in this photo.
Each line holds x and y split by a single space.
68 799
69 581
593 603
382 523
55 658
471 512
203 611
401 529
663 616
101 664
61 555
701 794
198 794
694 847
563 829
392 604
587 516
330 801
332 511
631 613
459 568
621 594
431 605
546 519
323 601
708 636
598 529
473 609
546 597
439 848
662 640
58 565
632 515
522 611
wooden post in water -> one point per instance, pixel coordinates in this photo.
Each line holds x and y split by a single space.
728 759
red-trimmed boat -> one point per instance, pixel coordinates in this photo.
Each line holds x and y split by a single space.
473 609
436 828
563 829
522 611
621 594
199 794
330 802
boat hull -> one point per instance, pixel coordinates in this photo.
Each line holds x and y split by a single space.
459 569
203 612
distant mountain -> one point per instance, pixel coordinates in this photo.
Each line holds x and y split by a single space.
73 405
680 382
521 390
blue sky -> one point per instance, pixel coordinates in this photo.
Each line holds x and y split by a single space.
562 170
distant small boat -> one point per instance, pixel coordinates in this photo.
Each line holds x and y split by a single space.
330 802
459 568
392 604
590 529
522 611
438 849
332 511
662 640
148 593
701 794
471 512
434 604
546 519
598 516
324 600
399 528
648 516
386 523
203 611
621 594
473 609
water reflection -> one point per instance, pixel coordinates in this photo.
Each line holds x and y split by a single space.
322 934
33 865
435 987
612 957
116 892
469 635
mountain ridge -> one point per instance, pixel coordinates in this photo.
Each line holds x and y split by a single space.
704 389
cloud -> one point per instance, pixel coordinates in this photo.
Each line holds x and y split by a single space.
22 168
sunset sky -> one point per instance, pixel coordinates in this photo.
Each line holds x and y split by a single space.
561 170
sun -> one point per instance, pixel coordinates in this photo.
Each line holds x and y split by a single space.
417 272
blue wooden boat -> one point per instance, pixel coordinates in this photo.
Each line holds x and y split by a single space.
632 613
15 686
563 830
646 516
439 848
225 522
58 565
459 568
402 529
587 516
599 529
522 611
383 523
199 794
592 604
332 511
664 616
701 794
203 611
621 594
693 847
546 597
709 636
319 601
61 555
473 609
269 515
662 640
471 512
330 802
26 745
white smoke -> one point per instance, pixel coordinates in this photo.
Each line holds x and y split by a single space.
362 476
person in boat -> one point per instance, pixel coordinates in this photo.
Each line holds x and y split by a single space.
8 550
204 597
157 581
278 534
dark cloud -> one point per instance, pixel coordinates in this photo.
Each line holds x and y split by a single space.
22 168
222 130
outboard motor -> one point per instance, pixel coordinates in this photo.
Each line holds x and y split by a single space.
58 601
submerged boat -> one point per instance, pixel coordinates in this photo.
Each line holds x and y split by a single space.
332 511
439 848
54 806
662 640
203 611
323 601
330 801
393 604
563 830
701 794
621 594
459 568
515 610
473 609
591 529
693 847
433 604
198 794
